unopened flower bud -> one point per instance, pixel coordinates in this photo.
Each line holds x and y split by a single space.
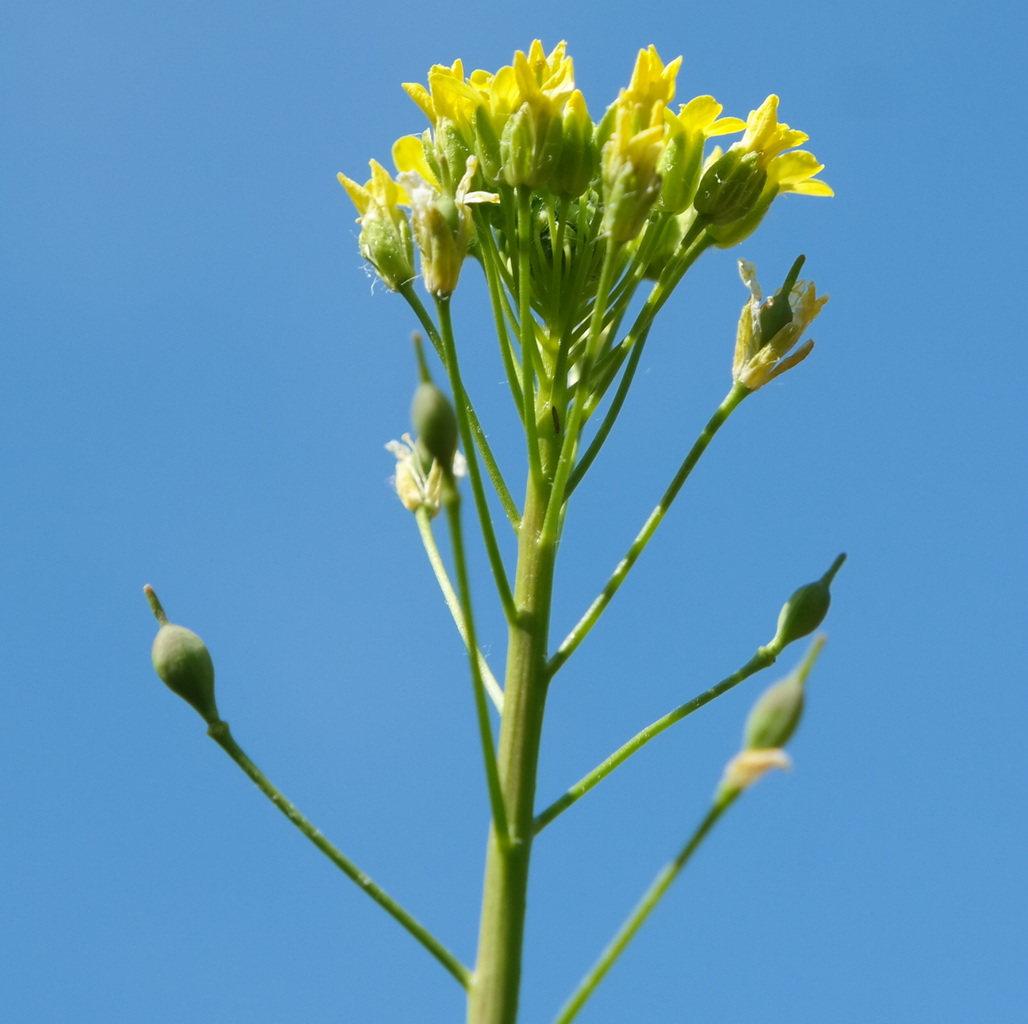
183 663
576 165
777 712
774 718
806 609
730 187
434 422
487 145
530 146
451 150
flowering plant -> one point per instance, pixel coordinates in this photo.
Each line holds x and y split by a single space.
582 230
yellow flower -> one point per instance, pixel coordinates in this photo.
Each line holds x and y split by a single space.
635 129
763 159
385 238
759 359
768 138
544 81
447 95
526 110
682 158
652 84
628 172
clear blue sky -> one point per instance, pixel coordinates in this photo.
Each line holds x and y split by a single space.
197 380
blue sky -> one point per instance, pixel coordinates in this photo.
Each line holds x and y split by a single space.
197 381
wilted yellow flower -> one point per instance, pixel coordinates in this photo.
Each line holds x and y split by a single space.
442 225
416 487
749 767
759 359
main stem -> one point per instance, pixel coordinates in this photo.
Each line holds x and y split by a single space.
493 996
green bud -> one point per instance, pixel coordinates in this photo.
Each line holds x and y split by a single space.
183 663
447 207
774 718
806 609
435 423
730 187
576 165
776 714
679 169
452 152
388 245
487 146
517 146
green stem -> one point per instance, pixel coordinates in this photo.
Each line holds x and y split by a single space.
493 997
424 521
501 310
463 404
451 499
583 464
476 427
764 657
219 732
588 620
526 330
576 418
635 341
642 911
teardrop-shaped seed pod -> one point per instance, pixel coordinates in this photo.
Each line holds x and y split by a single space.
806 609
435 423
184 664
776 714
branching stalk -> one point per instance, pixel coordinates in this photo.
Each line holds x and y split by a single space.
424 521
219 732
764 657
642 911
595 610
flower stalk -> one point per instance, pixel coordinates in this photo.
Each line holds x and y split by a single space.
583 229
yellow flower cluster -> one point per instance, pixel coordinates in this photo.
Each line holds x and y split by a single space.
526 126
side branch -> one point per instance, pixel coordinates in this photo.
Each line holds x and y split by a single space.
764 657
219 732
595 610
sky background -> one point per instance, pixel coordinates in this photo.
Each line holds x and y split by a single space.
197 380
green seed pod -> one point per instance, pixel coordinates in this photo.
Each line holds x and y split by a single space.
776 714
184 664
806 609
777 312
435 423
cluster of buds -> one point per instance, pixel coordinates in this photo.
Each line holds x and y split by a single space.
527 126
